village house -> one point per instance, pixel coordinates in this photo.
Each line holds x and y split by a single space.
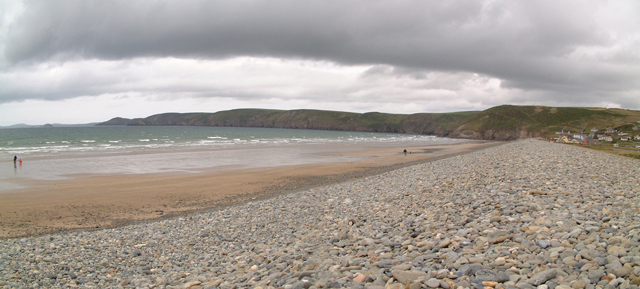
610 130
624 138
594 129
623 133
636 137
563 132
580 136
565 139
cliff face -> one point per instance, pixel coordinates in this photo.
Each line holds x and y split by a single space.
497 123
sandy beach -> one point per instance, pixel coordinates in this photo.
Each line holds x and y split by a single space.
112 200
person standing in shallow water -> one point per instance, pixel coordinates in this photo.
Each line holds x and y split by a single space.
15 158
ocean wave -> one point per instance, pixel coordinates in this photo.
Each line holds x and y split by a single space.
132 142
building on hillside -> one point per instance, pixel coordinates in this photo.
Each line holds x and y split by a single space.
608 139
580 136
594 129
623 133
636 137
610 130
624 138
566 139
564 132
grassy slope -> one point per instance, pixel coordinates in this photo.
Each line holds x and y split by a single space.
547 120
501 122
423 123
608 147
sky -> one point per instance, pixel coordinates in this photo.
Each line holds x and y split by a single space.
89 61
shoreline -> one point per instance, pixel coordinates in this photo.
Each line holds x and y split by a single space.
195 159
90 202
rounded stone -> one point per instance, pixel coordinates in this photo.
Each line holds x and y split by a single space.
580 284
433 283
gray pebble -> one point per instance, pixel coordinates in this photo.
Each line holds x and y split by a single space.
505 214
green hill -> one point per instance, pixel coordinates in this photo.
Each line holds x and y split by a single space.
504 122
510 121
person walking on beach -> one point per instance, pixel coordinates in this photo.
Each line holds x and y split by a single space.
405 152
15 158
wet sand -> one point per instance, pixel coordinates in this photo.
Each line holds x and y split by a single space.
103 201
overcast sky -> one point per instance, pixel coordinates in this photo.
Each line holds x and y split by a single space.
87 61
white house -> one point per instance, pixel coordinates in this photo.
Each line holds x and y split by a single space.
579 136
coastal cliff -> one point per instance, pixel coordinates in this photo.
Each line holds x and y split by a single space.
506 122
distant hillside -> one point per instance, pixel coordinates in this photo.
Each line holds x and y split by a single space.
421 123
505 122
513 122
22 125
19 125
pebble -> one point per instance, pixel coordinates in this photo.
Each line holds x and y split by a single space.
433 283
525 214
579 284
407 277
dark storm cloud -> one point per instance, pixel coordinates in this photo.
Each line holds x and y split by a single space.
561 47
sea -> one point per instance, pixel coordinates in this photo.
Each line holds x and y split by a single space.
50 153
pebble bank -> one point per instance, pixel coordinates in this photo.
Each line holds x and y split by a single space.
526 214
